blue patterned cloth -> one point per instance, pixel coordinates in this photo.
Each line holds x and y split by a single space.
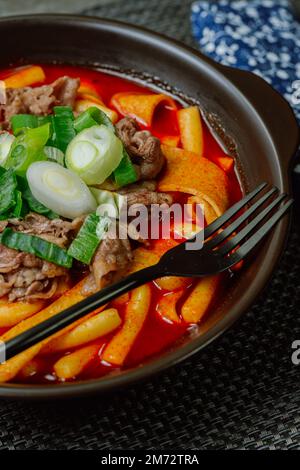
259 35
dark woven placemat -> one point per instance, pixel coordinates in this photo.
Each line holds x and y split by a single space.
241 392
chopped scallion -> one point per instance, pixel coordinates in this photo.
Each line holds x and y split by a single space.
102 227
87 240
37 206
63 127
53 154
91 117
36 246
125 173
94 154
6 141
42 120
28 148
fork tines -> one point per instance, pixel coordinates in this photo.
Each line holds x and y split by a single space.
253 231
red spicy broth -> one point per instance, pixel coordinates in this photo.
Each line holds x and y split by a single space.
157 334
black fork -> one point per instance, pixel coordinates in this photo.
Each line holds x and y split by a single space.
225 245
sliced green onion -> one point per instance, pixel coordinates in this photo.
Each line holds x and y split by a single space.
6 141
87 241
64 111
94 154
109 203
42 120
53 154
125 173
106 203
20 122
102 227
60 190
28 148
23 121
8 186
63 127
36 246
25 209
35 206
91 117
17 210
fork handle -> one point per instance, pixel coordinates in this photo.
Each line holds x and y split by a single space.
66 317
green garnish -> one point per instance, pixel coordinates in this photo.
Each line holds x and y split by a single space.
63 128
8 186
94 154
37 207
91 117
36 246
28 148
53 154
88 238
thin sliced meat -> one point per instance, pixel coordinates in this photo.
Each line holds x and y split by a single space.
89 287
27 100
52 270
24 276
31 261
39 100
143 147
30 283
56 231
